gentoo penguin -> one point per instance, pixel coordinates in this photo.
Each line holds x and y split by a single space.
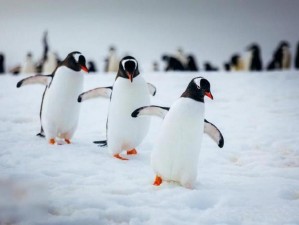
175 156
172 64
255 61
28 66
130 91
112 61
182 57
237 63
59 109
92 67
191 65
209 67
281 57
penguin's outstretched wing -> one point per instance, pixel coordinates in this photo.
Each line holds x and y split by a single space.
152 89
214 133
37 79
95 93
151 110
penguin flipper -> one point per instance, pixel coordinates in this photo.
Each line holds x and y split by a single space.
151 110
152 89
214 133
95 93
37 79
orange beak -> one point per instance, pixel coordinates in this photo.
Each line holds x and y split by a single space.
209 95
130 76
84 68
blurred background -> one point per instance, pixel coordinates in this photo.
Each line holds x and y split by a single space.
210 31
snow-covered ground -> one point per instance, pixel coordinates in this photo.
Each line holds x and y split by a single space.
254 179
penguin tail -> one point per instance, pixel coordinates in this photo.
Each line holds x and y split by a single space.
101 143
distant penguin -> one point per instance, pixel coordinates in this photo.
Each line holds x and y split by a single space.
191 63
50 63
208 67
130 91
2 67
28 66
255 60
91 67
281 58
275 62
237 63
172 64
176 153
226 66
40 63
59 109
297 57
111 61
181 57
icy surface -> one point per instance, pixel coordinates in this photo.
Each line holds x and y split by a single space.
254 179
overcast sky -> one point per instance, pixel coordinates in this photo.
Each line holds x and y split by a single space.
212 30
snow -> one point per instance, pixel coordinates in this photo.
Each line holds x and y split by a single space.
252 180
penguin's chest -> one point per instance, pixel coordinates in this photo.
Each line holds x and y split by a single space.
184 124
61 98
126 97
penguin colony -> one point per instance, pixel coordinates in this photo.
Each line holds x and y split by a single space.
129 106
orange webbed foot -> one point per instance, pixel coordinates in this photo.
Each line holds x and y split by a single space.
158 181
132 152
68 141
52 141
119 157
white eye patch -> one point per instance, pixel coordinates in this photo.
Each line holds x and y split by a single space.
197 81
76 56
127 60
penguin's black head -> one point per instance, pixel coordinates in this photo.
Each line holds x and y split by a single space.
197 89
165 58
254 48
75 61
284 44
128 68
235 60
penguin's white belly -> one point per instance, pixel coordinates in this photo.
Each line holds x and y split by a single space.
125 132
60 111
175 156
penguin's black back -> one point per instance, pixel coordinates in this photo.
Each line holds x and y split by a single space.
256 61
